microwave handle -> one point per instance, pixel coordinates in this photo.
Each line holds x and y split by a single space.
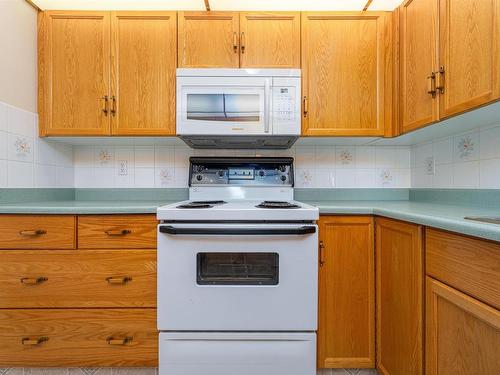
267 105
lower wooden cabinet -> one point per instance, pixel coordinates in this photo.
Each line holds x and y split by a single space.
346 334
463 334
78 337
400 272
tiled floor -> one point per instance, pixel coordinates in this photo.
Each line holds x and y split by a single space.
140 371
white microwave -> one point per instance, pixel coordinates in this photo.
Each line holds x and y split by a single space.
240 106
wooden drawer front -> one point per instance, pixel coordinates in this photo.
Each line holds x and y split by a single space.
94 278
467 264
83 338
37 232
117 232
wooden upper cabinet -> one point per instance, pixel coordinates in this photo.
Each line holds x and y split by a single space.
469 54
73 72
344 70
418 61
400 281
208 40
270 40
346 327
144 59
463 334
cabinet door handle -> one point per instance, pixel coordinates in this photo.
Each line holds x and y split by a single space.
122 232
431 90
121 341
305 104
321 253
235 42
33 280
32 232
106 105
440 79
113 105
242 42
118 280
26 341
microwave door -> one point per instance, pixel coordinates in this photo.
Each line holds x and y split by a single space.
224 110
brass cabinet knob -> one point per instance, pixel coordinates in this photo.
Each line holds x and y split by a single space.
27 341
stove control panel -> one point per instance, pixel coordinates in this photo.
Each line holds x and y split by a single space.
242 171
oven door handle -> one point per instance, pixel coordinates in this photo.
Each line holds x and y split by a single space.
169 229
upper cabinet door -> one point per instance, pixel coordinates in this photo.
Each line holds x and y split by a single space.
143 73
270 40
418 59
469 54
74 68
209 40
344 69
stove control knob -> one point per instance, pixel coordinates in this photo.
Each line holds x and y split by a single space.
283 178
282 168
262 173
220 173
199 177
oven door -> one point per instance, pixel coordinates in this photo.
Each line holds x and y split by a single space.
223 105
237 277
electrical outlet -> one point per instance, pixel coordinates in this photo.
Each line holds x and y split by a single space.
122 168
430 165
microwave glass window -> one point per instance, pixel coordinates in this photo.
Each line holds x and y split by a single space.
237 268
224 107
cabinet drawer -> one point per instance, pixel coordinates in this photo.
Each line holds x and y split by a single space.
467 264
117 232
83 338
37 232
93 278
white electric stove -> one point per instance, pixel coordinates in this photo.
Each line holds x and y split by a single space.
237 272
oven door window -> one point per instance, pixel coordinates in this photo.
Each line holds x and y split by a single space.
224 107
237 268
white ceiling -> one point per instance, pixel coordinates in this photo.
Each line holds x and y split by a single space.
216 4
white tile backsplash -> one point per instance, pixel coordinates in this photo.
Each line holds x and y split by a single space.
470 160
465 161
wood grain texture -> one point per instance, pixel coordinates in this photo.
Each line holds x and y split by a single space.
270 40
78 337
400 314
144 60
468 264
346 327
470 54
78 278
59 232
207 39
344 73
92 231
462 334
74 72
418 59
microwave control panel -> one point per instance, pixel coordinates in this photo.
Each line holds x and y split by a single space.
284 103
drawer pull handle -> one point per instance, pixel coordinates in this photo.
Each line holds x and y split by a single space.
118 280
32 342
123 341
32 233
122 232
33 280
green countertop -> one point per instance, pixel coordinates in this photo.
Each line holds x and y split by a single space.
443 216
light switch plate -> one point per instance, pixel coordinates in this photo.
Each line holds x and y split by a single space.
122 168
430 166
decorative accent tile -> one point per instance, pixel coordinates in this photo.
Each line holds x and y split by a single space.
104 156
345 157
386 177
20 148
164 177
304 177
465 147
